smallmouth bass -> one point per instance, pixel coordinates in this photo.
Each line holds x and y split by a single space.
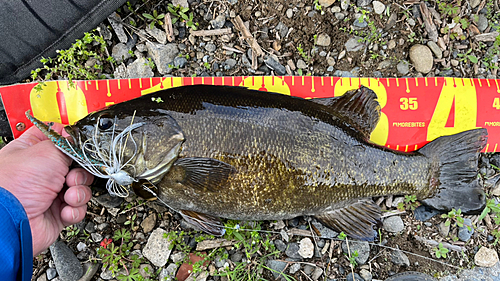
212 151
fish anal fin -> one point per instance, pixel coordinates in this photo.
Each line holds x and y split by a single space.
356 219
204 173
359 107
207 223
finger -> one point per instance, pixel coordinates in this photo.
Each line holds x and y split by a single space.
79 176
71 215
77 196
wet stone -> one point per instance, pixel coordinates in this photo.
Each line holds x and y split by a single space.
168 274
356 277
282 29
277 267
90 227
210 47
218 22
107 200
362 3
180 62
354 44
360 22
423 213
67 264
435 49
403 67
280 245
464 232
399 258
393 224
275 65
362 247
365 274
292 251
294 268
51 273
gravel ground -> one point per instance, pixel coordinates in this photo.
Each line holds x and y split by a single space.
325 38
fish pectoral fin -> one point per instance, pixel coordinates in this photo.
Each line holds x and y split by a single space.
360 107
207 223
355 220
204 173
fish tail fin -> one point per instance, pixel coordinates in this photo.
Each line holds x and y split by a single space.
453 181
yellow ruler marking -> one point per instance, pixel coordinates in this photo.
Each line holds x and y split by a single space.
232 80
388 146
96 86
486 149
495 149
488 81
119 84
150 82
426 83
416 147
496 82
387 80
416 81
302 80
293 81
322 82
213 80
86 85
397 147
108 103
406 148
435 81
129 84
192 81
107 85
397 82
331 80
407 86
312 84
479 80
203 80
140 83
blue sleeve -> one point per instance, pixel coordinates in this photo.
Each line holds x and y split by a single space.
16 250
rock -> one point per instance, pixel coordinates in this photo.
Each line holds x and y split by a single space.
158 34
354 44
323 40
330 61
325 232
294 268
362 247
301 64
120 73
339 16
482 23
67 264
236 257
317 273
218 22
391 44
362 3
81 246
107 200
180 62
210 47
102 226
365 274
384 64
423 213
403 67
341 55
360 22
149 223
120 52
326 3
89 270
178 257
465 232
486 257
275 65
355 277
344 4
399 258
139 69
378 7
168 274
289 13
393 224
306 248
90 227
145 270
397 200
115 21
162 55
435 49
282 29
292 251
474 3
51 273
96 237
444 229
280 245
277 267
182 3
157 249
308 269
421 57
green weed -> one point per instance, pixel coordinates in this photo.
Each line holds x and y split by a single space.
155 18
115 257
441 251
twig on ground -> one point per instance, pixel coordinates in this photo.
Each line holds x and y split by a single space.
256 49
169 28
231 49
429 25
445 245
214 32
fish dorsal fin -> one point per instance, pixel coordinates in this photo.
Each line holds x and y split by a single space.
203 173
355 220
207 223
360 107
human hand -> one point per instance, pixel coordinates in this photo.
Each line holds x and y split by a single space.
34 171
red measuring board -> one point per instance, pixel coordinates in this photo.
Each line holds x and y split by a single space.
414 110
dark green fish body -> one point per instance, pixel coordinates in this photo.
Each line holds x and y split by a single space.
243 154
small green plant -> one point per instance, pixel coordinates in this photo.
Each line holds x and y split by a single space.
491 206
158 99
180 14
456 217
154 18
449 9
411 37
150 63
131 221
303 54
468 56
318 7
410 203
115 257
72 63
207 65
352 259
341 236
440 251
71 231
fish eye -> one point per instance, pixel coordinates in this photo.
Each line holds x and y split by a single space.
105 123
